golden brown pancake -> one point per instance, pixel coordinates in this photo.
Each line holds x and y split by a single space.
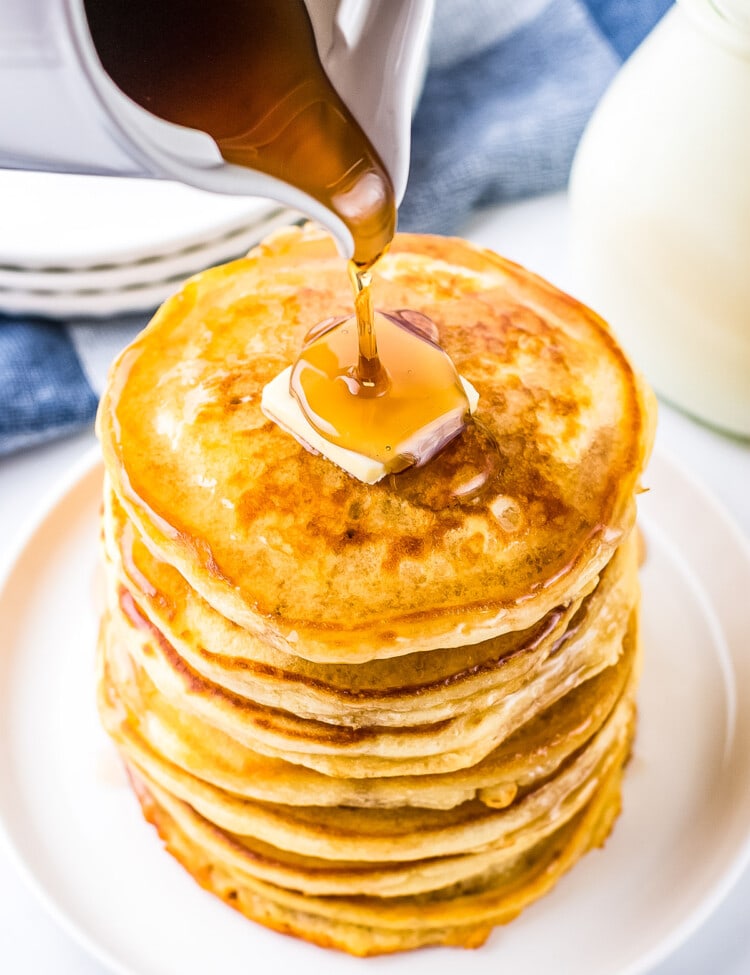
374 716
319 565
461 915
203 764
517 830
364 752
416 688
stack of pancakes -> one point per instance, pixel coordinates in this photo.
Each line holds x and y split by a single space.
386 716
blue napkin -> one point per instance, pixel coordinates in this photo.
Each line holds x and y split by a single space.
503 109
508 92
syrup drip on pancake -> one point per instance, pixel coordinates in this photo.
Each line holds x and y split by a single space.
465 473
250 76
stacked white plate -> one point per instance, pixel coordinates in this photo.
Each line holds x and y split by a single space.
94 246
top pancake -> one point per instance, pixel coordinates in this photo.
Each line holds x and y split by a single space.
284 543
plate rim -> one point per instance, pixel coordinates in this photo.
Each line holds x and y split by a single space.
74 479
142 271
240 212
141 294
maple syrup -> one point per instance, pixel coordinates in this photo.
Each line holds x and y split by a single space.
466 473
413 408
249 74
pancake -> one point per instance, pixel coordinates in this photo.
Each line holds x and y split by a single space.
363 752
324 567
418 687
373 716
201 762
400 834
462 915
537 816
429 685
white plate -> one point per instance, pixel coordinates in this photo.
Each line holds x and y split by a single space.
59 220
147 270
138 286
79 838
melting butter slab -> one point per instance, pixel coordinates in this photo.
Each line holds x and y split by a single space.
279 405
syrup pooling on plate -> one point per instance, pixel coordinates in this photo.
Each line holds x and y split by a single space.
415 406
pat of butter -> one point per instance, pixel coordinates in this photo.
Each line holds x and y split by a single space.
279 405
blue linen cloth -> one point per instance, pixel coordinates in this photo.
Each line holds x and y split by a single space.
509 88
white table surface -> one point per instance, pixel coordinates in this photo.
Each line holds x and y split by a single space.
532 233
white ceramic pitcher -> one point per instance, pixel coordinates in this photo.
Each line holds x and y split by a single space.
60 111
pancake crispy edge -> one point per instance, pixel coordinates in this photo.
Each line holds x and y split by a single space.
465 921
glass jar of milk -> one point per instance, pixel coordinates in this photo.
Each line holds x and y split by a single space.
660 210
